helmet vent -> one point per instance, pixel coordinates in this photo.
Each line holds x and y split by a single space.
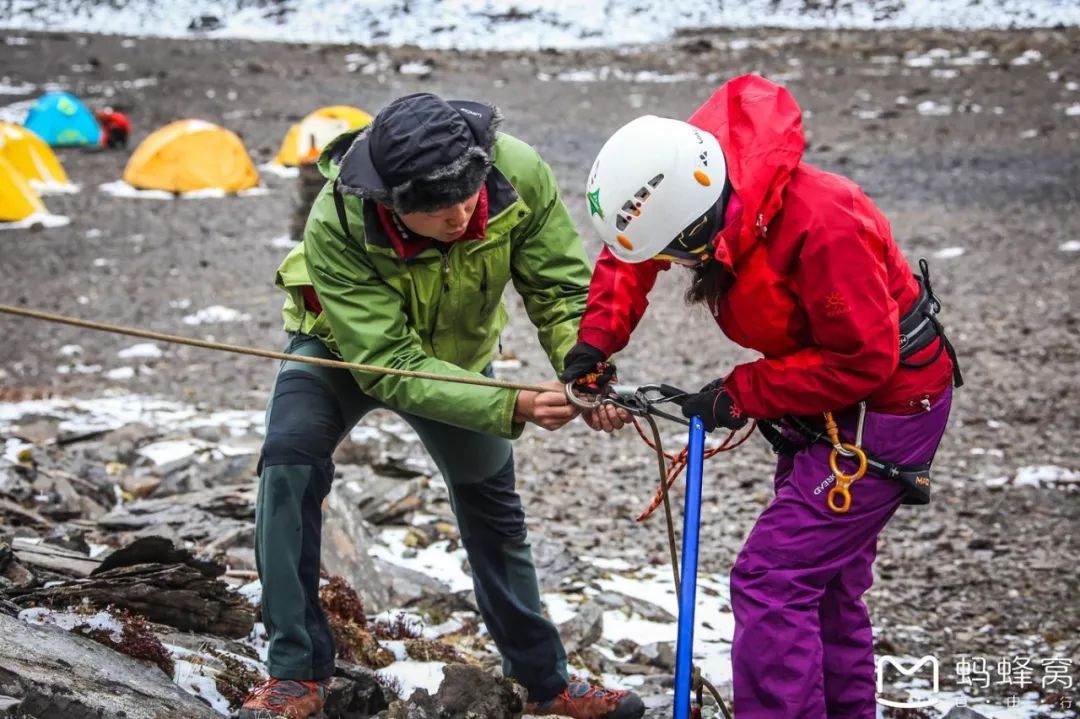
655 182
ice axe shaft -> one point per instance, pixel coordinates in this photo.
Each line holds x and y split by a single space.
684 648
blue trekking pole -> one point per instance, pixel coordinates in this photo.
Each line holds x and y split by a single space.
684 648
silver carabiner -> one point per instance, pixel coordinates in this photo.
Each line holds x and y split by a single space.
858 433
577 400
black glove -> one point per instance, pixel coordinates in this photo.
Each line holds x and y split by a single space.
714 406
587 366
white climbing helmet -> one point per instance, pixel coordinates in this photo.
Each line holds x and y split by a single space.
651 180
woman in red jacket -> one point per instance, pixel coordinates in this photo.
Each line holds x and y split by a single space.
798 264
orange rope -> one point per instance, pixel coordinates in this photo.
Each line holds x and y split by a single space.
678 463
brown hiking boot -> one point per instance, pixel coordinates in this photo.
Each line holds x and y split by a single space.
284 699
581 700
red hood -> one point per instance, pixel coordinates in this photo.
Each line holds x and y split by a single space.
759 127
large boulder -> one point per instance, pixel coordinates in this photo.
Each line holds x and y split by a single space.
49 672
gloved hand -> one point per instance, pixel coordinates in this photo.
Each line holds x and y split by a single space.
714 406
587 366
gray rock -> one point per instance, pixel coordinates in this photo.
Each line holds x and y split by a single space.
584 629
657 654
56 674
346 537
466 692
406 586
354 691
554 561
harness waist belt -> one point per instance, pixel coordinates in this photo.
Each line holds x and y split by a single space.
915 478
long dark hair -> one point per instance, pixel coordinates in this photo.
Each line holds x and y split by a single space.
708 283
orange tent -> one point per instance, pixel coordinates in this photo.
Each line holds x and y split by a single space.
189 155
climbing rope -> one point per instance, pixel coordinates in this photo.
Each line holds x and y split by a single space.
268 354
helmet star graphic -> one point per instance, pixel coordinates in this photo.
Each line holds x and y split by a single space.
594 203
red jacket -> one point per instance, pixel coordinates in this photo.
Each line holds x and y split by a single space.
819 284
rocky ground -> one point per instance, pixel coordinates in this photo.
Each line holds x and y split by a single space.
968 141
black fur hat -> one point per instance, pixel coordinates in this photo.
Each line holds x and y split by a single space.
421 153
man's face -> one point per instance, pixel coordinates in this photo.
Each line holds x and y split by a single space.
444 225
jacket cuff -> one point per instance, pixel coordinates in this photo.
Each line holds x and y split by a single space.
736 384
602 341
508 428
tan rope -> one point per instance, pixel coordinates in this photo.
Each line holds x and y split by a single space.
268 354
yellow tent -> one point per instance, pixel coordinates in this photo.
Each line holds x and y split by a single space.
30 156
17 199
306 139
189 155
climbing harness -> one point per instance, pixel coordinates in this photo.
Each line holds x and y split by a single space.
642 403
791 435
920 326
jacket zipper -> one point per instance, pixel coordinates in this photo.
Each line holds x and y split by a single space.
444 279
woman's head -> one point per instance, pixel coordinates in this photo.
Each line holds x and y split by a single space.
657 190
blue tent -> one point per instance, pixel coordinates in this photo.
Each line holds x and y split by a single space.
61 119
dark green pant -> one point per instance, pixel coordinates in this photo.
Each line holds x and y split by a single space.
312 409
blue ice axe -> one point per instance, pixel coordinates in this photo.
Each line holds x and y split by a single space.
684 648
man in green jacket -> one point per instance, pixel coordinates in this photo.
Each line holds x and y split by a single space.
426 216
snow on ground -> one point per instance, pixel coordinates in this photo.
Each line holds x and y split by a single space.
115 410
147 350
119 188
215 314
44 220
1042 475
272 168
947 253
433 560
523 24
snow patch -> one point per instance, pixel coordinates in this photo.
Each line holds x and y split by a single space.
215 314
524 24
272 168
1070 246
120 373
40 220
947 253
932 108
142 350
121 189
434 560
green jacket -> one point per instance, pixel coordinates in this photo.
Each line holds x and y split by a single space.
438 311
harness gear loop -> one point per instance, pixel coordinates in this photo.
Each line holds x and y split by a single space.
839 497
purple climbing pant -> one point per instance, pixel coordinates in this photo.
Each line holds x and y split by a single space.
803 647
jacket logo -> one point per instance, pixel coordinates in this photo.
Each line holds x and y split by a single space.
922 481
836 305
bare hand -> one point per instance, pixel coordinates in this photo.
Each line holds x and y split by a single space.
606 418
549 410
